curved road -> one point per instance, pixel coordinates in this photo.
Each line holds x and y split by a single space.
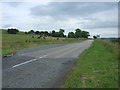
41 67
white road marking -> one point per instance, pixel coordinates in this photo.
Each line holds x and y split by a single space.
28 61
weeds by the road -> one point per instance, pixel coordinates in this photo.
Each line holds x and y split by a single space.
13 42
97 67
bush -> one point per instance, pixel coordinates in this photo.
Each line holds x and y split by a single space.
12 31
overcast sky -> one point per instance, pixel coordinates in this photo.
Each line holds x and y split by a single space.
99 18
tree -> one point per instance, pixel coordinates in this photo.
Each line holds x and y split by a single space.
78 33
95 37
84 34
26 33
31 32
42 33
37 32
12 31
53 33
61 32
65 36
50 33
71 35
57 34
46 33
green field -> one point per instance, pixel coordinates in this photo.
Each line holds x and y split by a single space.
13 42
97 67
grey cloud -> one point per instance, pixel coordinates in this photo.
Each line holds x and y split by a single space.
101 24
71 9
86 10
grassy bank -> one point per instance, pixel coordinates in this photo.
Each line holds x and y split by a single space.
97 67
13 42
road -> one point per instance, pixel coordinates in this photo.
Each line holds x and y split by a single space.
41 67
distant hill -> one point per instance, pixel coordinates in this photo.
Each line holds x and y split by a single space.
109 38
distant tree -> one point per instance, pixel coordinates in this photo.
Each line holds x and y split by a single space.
71 35
84 34
65 36
31 32
37 32
26 33
53 33
78 33
95 37
41 33
46 33
61 32
50 33
57 34
12 31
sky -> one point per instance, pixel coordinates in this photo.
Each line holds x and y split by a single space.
98 18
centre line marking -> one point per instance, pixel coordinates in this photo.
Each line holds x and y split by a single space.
28 61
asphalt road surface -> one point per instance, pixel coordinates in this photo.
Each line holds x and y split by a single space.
41 67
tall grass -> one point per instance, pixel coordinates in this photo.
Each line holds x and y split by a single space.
97 67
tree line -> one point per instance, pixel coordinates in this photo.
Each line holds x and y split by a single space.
46 33
77 34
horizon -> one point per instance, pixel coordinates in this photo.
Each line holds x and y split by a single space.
65 34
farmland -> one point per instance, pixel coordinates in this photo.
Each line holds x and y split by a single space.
13 42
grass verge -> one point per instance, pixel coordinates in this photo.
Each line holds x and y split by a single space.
97 67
